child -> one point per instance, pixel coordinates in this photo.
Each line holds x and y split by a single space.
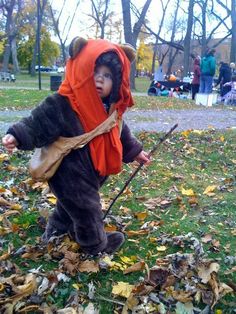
230 97
96 84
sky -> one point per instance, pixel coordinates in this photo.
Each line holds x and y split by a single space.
81 21
80 24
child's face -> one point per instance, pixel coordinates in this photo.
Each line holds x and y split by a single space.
103 81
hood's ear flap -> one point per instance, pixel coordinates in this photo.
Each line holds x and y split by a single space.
76 46
129 51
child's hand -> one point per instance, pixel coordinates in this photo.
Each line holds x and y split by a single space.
9 142
143 158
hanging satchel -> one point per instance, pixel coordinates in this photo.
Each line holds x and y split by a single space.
46 160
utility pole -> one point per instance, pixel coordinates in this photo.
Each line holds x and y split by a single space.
38 42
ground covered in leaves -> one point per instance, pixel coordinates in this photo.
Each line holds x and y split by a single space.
179 219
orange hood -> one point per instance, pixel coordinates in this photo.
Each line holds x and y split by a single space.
79 87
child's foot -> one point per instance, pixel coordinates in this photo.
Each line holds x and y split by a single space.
114 241
49 232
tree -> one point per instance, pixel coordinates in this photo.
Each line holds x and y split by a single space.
114 29
233 38
144 58
160 56
232 13
50 49
187 39
56 22
100 15
131 33
173 51
209 22
11 10
41 8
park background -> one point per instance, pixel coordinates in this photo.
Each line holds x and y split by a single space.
178 214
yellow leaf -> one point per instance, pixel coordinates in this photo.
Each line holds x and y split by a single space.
52 200
16 206
188 192
153 240
109 228
126 260
222 138
161 248
4 157
199 132
123 289
186 133
77 286
209 190
141 216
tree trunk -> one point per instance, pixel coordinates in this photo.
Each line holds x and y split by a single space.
233 38
8 29
6 56
40 18
172 39
14 56
187 39
131 36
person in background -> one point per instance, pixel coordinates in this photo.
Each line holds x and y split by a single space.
196 77
233 68
230 97
225 75
208 68
159 75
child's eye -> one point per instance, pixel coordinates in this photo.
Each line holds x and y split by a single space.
107 76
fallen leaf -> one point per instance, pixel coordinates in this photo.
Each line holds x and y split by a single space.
208 191
136 267
187 192
88 267
205 271
141 216
122 289
161 248
131 233
207 238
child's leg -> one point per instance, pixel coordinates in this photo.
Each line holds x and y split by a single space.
59 223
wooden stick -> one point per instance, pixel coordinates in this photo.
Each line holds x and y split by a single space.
161 140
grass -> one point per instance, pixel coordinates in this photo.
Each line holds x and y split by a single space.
27 81
170 197
142 84
27 99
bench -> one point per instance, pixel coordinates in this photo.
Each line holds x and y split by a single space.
7 77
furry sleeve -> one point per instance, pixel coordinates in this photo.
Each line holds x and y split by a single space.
45 124
131 146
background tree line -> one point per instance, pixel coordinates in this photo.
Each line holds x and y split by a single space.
181 27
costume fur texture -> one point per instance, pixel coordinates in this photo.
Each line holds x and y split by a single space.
75 109
76 183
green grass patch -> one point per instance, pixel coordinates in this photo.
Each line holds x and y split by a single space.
189 187
21 99
28 99
142 84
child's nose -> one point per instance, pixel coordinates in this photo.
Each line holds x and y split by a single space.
99 77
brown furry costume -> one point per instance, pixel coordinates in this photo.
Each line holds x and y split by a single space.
76 183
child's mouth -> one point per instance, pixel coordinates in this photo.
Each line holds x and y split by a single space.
99 90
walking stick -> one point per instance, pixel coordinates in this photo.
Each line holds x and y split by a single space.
161 140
